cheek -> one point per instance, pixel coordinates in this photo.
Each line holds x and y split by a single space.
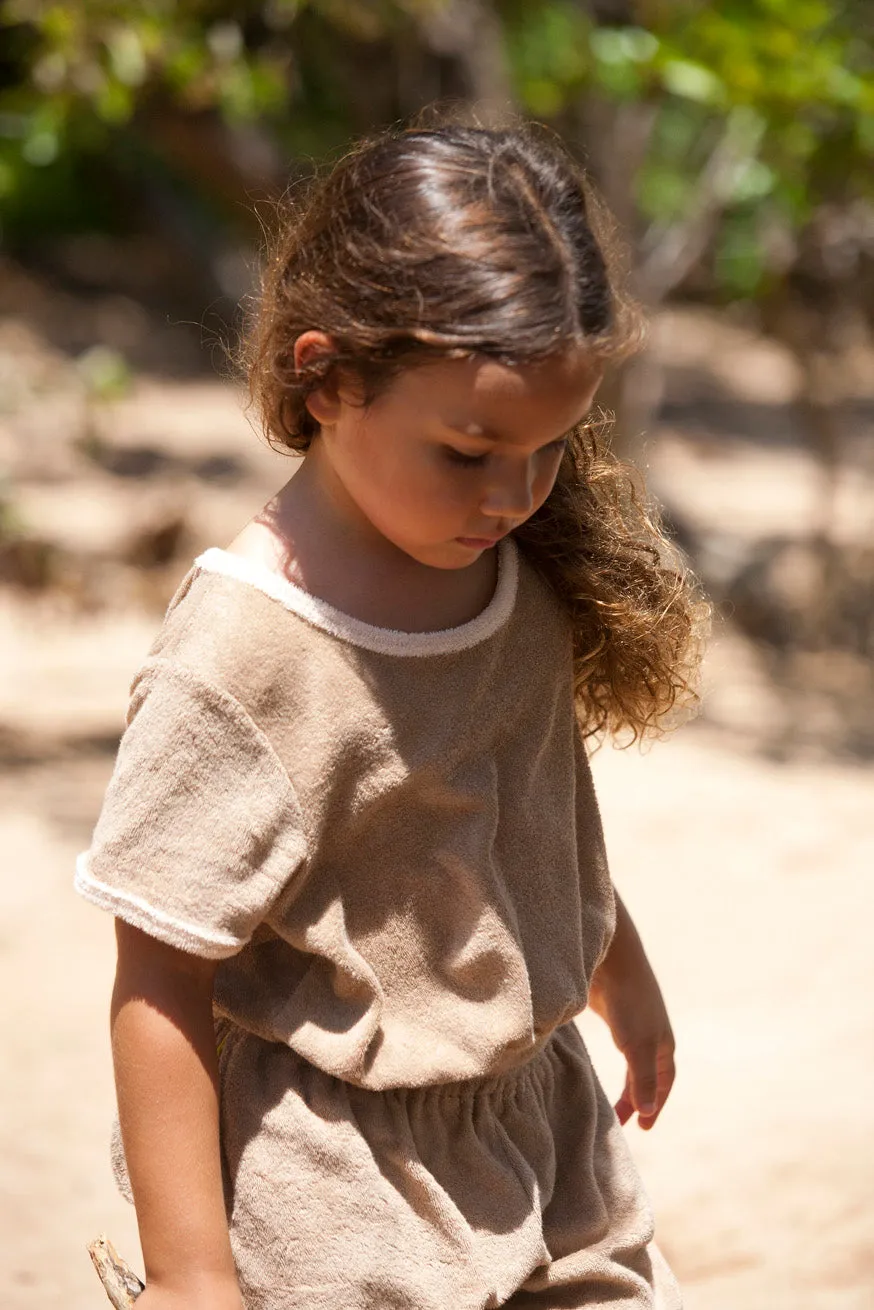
398 484
390 474
550 479
437 486
544 482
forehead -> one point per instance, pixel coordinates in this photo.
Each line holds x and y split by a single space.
483 393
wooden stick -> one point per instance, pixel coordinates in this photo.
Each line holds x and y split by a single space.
119 1281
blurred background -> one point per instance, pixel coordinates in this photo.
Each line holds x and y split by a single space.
141 147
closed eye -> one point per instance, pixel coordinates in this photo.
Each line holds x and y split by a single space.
473 461
458 457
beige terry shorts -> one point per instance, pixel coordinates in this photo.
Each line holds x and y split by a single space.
510 1191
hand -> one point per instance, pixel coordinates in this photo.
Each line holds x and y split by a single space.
630 1003
214 1295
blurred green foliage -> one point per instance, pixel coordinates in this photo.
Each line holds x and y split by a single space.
105 373
795 78
791 82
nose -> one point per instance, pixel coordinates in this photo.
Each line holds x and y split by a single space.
510 493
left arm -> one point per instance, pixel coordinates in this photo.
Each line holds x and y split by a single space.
624 992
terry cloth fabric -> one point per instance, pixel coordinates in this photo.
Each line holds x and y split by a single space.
391 844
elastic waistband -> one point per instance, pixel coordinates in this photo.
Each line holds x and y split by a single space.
562 1043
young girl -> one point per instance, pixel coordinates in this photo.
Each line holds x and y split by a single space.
351 841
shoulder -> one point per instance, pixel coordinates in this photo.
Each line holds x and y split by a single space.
530 662
233 636
538 605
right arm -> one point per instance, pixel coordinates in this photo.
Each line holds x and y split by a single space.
625 993
166 1077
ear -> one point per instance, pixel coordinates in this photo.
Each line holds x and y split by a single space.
324 402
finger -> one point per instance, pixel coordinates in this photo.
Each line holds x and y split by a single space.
624 1107
665 1073
643 1080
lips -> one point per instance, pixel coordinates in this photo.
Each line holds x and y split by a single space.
490 537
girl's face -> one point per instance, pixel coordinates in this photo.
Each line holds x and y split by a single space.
455 454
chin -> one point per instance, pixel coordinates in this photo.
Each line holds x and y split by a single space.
447 561
449 556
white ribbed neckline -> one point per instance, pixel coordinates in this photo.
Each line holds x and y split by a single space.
385 641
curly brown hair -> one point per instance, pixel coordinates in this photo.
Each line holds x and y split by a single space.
449 241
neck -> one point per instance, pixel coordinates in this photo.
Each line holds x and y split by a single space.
319 529
316 506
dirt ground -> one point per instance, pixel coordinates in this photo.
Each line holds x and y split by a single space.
748 871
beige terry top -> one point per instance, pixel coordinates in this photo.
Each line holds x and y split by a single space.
389 841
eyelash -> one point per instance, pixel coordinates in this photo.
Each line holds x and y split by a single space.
475 461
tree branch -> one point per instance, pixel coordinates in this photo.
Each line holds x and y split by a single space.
670 252
119 1281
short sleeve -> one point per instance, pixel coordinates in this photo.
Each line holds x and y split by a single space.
200 830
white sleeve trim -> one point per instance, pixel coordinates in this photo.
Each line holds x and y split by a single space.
190 937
